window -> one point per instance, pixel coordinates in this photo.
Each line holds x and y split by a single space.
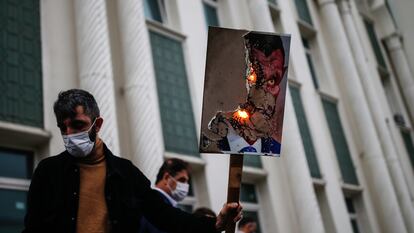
305 132
303 11
174 96
352 214
341 146
15 171
272 1
21 98
210 13
374 43
310 62
250 202
408 141
16 164
252 161
155 10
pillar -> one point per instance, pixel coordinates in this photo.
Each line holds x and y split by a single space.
95 64
378 114
403 71
140 90
372 157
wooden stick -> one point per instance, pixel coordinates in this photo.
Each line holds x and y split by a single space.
233 189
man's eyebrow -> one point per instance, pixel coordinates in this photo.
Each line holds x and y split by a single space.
78 122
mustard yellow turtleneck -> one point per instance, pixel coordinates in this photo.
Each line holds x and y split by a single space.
92 211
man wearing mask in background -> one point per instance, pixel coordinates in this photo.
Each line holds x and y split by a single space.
88 189
172 186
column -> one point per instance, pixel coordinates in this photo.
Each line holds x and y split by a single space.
95 65
378 114
140 91
260 15
402 69
372 157
59 63
293 157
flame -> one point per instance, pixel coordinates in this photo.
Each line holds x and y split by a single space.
252 77
242 114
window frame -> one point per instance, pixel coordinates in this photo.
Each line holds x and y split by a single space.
252 206
214 4
163 12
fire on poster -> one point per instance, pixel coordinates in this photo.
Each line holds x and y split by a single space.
244 92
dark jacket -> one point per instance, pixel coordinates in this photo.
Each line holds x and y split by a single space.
52 203
146 226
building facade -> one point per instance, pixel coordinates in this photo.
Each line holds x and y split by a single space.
347 161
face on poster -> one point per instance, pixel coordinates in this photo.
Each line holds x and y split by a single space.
244 92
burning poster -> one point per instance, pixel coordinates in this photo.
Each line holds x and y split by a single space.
244 92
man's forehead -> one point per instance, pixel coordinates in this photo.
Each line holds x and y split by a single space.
182 173
80 115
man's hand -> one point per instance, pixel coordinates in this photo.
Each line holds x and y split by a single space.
231 212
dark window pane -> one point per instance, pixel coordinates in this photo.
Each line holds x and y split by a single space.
16 164
303 11
354 226
341 146
408 144
13 209
350 205
252 161
254 215
152 10
374 43
248 193
312 70
305 133
174 95
272 1
305 43
190 189
210 14
21 88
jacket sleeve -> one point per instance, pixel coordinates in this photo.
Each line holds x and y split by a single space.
33 221
166 217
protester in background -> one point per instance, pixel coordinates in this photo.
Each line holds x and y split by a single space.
247 225
88 189
172 186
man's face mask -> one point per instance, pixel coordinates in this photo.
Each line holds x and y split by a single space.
79 145
180 191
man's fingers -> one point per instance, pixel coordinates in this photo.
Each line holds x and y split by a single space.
238 217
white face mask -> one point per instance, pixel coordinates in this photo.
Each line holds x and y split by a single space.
180 191
79 145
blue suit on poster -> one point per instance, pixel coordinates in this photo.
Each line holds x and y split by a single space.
233 142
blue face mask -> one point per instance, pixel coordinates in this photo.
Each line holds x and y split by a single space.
79 145
180 191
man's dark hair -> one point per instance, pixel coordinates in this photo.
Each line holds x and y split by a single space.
246 220
172 167
65 105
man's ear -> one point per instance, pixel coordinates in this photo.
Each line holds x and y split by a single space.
166 176
98 124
